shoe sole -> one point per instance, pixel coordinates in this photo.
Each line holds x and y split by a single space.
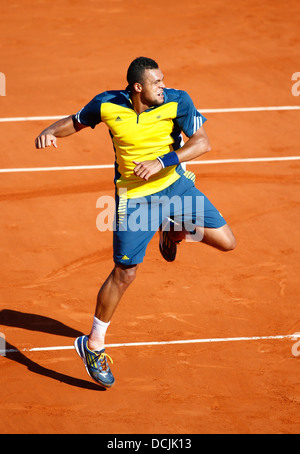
80 351
167 221
161 242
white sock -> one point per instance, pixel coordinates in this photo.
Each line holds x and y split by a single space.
97 334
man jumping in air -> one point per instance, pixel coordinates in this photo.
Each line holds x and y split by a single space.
145 122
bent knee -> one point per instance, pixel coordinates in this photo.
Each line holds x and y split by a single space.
125 275
228 243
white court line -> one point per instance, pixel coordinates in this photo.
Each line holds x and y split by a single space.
50 169
227 161
14 119
226 110
111 166
294 336
249 109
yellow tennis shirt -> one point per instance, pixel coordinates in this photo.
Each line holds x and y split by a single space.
153 133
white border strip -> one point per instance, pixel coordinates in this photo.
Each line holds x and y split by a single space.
138 344
226 110
111 166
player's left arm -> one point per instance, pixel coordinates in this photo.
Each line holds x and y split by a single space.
197 145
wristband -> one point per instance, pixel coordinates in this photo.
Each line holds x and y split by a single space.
170 159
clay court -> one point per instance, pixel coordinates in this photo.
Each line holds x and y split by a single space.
237 370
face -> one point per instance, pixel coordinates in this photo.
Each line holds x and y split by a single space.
152 88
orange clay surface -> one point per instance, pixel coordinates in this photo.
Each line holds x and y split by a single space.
56 55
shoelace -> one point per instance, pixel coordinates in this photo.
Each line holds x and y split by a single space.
103 361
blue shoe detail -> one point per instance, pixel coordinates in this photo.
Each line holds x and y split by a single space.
95 362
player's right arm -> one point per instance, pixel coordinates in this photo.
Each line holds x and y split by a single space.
61 128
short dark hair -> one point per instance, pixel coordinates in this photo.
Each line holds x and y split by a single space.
137 67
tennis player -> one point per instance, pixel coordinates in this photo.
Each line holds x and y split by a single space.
145 122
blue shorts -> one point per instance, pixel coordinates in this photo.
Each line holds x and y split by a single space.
138 219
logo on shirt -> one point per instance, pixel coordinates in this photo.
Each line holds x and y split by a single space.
118 119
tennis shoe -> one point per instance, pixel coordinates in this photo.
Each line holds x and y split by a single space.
168 247
95 362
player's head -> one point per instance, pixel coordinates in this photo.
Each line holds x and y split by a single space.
136 70
146 79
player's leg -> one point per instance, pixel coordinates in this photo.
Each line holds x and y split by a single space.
200 220
221 238
129 250
92 348
214 230
112 291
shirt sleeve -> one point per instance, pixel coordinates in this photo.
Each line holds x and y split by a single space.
90 115
188 118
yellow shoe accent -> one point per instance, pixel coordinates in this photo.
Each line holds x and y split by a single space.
103 355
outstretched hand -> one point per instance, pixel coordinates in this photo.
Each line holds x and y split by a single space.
45 140
146 169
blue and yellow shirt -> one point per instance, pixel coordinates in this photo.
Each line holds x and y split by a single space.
153 133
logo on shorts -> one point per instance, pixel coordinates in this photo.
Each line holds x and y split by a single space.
125 257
